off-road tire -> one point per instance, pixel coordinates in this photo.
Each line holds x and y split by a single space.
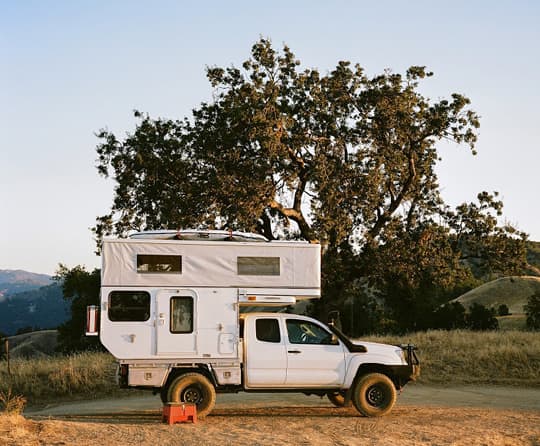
193 388
164 394
338 399
374 395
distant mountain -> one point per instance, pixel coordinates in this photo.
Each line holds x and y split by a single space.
16 281
29 300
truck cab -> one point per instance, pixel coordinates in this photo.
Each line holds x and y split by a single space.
294 352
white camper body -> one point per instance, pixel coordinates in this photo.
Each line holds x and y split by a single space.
179 299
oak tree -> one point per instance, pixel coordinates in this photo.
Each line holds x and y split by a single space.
282 149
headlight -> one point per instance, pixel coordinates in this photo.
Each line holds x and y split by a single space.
402 356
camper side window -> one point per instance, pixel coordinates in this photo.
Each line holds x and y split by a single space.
154 263
129 306
181 314
258 266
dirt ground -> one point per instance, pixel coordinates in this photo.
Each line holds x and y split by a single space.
423 416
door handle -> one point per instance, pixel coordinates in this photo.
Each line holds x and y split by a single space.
294 351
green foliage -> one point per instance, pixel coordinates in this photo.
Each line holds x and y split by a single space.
533 254
532 310
278 144
481 318
503 310
488 249
450 316
82 289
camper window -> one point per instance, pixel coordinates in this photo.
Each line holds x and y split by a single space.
129 306
181 314
258 266
153 263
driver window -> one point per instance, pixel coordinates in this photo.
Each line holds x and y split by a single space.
305 332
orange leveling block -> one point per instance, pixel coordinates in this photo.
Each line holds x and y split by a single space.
179 413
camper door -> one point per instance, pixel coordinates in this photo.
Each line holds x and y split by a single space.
176 322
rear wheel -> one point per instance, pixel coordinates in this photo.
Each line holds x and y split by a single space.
374 395
193 388
338 399
164 395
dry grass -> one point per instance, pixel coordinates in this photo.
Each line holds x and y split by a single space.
44 379
513 322
11 403
447 357
463 356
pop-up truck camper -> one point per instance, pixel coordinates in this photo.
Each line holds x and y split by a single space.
177 311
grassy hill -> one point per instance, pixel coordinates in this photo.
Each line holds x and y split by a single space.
511 291
38 344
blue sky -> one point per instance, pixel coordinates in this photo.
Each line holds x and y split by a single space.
68 69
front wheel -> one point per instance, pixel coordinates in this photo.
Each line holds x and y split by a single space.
374 395
193 388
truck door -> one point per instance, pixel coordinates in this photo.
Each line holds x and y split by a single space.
266 363
312 359
176 322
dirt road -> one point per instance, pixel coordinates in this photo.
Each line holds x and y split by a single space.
424 415
413 394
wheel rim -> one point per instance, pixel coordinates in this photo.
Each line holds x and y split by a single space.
375 396
192 395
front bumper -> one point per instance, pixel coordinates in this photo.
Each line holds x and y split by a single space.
409 372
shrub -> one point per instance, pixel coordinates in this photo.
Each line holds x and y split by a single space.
532 310
481 318
11 403
503 310
450 316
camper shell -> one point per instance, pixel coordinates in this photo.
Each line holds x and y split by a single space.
178 297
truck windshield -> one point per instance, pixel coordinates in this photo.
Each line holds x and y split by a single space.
352 347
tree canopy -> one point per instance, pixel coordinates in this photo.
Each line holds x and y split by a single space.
82 289
342 158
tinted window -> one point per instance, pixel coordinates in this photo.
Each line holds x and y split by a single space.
127 306
181 314
305 332
159 263
267 330
258 266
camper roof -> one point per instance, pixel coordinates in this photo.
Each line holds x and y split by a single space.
202 235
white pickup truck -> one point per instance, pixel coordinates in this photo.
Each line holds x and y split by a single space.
177 312
292 353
